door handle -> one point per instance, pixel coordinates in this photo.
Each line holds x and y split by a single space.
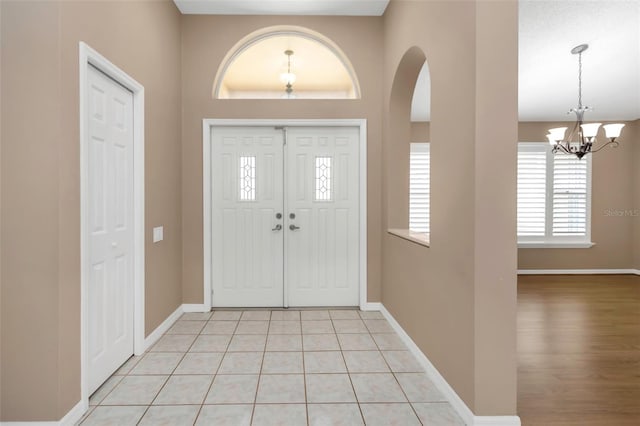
293 227
277 228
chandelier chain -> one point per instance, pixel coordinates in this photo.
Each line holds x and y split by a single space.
580 80
289 85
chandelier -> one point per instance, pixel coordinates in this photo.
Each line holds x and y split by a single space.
288 77
582 137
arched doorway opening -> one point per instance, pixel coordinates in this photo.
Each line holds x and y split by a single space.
408 160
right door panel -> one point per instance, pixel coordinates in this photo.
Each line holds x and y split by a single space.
322 211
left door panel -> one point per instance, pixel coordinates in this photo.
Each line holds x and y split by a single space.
110 222
247 217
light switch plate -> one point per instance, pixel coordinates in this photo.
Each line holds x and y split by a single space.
158 233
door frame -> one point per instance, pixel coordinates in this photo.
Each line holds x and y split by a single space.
208 126
90 57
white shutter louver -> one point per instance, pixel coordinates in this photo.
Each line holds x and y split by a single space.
554 197
419 187
569 195
532 177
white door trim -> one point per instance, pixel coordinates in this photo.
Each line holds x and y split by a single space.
88 57
208 124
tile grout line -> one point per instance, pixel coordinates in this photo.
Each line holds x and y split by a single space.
170 374
393 373
304 374
353 388
108 393
215 374
195 420
92 409
255 398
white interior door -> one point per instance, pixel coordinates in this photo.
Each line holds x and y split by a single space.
322 199
110 222
285 216
247 170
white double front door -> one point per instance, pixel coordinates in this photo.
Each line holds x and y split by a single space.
285 216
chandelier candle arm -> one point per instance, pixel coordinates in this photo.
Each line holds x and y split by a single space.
585 133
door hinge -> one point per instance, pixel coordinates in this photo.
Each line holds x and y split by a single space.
284 133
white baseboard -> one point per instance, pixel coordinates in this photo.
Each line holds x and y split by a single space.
171 319
152 338
371 306
578 271
75 414
70 419
445 388
193 307
496 421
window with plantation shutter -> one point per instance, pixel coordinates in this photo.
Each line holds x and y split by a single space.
554 198
419 188
532 190
570 195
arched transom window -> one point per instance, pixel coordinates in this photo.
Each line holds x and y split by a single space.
286 62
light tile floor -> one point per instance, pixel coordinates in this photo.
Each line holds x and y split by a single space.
281 367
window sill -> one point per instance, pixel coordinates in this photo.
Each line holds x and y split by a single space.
555 244
420 238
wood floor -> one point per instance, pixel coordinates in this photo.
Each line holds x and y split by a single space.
579 350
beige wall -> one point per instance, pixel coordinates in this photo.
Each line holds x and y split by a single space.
636 186
419 131
457 299
205 42
40 244
612 191
29 227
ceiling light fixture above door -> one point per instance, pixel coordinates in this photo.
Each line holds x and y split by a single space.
288 77
585 133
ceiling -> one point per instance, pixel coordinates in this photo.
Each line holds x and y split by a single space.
547 69
283 7
548 82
